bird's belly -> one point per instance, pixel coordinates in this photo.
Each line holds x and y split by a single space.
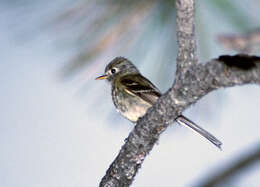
134 112
130 107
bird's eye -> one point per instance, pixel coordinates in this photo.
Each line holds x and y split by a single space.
113 70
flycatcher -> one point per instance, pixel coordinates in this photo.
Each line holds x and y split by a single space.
133 94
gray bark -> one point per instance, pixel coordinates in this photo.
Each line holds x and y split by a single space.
193 81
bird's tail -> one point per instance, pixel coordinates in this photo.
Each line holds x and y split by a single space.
182 120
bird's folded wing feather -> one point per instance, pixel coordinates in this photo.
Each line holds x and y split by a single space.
138 85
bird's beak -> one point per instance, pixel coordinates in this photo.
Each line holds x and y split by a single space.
102 77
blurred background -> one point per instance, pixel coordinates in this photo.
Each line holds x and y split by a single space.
58 126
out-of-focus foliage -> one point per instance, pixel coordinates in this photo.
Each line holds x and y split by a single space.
233 13
125 27
130 28
143 31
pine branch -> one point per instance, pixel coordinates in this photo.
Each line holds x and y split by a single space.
193 81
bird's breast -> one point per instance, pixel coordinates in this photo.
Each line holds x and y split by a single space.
130 106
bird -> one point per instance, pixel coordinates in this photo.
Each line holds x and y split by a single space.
133 94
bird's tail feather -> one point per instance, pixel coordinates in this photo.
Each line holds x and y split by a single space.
182 120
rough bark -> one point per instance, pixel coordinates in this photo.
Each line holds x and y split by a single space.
193 81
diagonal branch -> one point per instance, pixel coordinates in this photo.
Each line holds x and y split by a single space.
193 81
199 81
141 140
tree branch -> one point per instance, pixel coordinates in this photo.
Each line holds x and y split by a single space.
193 82
199 81
226 71
185 25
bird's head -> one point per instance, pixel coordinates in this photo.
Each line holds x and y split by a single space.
119 66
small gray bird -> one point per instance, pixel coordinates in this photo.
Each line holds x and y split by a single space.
133 94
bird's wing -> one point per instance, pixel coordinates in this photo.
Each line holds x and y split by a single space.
140 86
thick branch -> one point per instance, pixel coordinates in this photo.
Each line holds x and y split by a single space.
142 139
192 82
199 81
187 50
203 78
